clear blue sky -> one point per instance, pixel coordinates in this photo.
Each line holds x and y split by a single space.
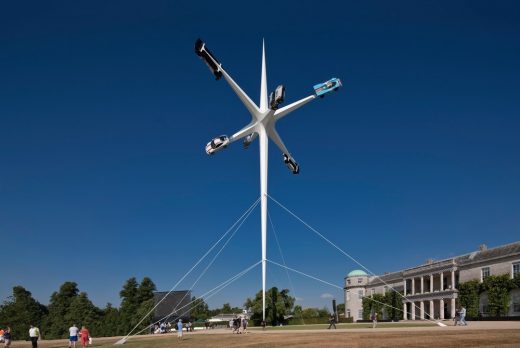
105 111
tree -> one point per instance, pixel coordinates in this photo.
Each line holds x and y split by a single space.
199 309
226 308
145 290
56 321
145 299
340 308
469 297
129 306
20 311
278 304
394 303
83 312
373 304
109 322
497 288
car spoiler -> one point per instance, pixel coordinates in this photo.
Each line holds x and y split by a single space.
213 64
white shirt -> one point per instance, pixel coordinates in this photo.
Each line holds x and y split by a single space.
73 331
34 332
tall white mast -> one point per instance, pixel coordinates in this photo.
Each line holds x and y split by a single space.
264 157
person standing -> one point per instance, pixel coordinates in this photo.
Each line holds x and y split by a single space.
7 337
34 335
73 335
85 336
462 316
244 324
374 320
179 329
332 321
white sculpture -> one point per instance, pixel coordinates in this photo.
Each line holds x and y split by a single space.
262 125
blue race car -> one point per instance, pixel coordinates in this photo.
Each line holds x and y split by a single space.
331 85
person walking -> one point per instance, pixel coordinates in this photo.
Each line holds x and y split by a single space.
462 316
85 336
244 324
332 321
179 329
73 335
7 337
374 320
34 335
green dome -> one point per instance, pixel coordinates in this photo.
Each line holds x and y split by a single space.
356 273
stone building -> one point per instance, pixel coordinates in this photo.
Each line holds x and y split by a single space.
431 288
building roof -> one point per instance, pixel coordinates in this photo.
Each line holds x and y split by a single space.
356 273
489 254
174 305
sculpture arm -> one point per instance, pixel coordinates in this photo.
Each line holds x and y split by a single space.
291 107
248 103
250 128
273 135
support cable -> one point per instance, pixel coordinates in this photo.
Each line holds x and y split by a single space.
190 270
217 254
351 258
206 295
341 288
283 260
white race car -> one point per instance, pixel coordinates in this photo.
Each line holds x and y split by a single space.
217 144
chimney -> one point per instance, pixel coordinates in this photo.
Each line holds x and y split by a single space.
483 247
429 261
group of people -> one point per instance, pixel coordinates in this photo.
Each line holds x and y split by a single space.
5 337
238 324
166 327
460 317
75 335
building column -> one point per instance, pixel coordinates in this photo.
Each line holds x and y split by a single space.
404 286
441 308
453 279
422 310
452 308
413 286
442 281
405 311
431 282
432 309
413 310
422 284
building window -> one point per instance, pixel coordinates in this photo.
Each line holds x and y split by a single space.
485 309
485 273
360 314
360 294
348 281
515 297
348 313
348 295
516 269
360 280
373 291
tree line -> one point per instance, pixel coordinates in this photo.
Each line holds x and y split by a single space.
69 306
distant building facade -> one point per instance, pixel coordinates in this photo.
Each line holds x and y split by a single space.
431 288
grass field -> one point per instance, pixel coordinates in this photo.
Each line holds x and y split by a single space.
401 335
